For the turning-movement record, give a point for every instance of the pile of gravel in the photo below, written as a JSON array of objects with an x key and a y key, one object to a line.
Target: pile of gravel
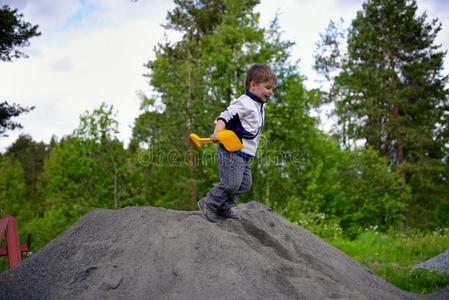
[
  {"x": 156, "y": 253},
  {"x": 438, "y": 264}
]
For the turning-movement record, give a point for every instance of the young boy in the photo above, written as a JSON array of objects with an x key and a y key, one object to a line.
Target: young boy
[{"x": 245, "y": 116}]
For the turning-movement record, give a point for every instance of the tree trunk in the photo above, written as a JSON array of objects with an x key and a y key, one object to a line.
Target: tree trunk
[
  {"x": 193, "y": 192},
  {"x": 397, "y": 124}
]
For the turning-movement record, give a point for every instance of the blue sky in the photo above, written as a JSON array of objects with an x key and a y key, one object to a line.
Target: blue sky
[{"x": 93, "y": 51}]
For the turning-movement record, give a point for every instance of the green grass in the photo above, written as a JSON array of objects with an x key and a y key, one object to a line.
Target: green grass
[{"x": 392, "y": 257}]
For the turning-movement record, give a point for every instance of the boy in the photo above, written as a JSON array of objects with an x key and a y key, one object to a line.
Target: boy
[{"x": 245, "y": 116}]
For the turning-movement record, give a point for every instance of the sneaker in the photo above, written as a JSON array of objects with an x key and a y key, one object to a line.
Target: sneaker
[
  {"x": 208, "y": 213},
  {"x": 228, "y": 213}
]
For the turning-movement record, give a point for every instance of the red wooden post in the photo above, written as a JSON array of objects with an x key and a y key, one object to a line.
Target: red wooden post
[
  {"x": 12, "y": 235},
  {"x": 8, "y": 227}
]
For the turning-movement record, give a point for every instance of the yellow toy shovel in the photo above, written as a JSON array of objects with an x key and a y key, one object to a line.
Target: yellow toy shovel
[{"x": 227, "y": 137}]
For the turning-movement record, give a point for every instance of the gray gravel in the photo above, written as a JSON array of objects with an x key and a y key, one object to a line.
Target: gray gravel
[
  {"x": 156, "y": 253},
  {"x": 438, "y": 264}
]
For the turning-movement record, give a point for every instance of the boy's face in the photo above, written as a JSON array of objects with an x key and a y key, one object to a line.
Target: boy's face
[{"x": 263, "y": 90}]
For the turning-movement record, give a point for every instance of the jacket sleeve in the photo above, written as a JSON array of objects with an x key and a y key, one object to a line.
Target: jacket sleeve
[
  {"x": 232, "y": 117},
  {"x": 234, "y": 111}
]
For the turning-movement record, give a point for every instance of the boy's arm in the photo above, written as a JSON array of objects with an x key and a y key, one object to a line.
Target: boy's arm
[
  {"x": 219, "y": 126},
  {"x": 231, "y": 113}
]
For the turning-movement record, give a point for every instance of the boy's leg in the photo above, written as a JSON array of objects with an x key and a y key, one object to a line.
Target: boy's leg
[
  {"x": 209, "y": 214},
  {"x": 231, "y": 169},
  {"x": 244, "y": 187}
]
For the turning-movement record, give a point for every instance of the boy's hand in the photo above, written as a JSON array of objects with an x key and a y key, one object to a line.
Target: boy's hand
[
  {"x": 219, "y": 126},
  {"x": 213, "y": 138}
]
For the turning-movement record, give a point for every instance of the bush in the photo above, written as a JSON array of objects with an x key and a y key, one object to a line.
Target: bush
[
  {"x": 319, "y": 223},
  {"x": 46, "y": 228},
  {"x": 371, "y": 194}
]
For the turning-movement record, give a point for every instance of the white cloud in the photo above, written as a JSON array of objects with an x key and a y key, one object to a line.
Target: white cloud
[
  {"x": 62, "y": 65},
  {"x": 78, "y": 69},
  {"x": 47, "y": 13},
  {"x": 302, "y": 22}
]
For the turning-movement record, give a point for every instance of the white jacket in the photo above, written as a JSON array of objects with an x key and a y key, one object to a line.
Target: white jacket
[{"x": 245, "y": 116}]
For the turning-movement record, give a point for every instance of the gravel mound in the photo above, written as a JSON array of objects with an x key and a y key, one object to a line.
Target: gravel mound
[
  {"x": 438, "y": 263},
  {"x": 156, "y": 253}
]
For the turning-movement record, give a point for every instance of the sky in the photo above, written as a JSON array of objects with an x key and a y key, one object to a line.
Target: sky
[{"x": 94, "y": 51}]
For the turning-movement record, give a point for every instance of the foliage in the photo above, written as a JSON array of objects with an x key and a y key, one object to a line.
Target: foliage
[
  {"x": 390, "y": 94},
  {"x": 371, "y": 194},
  {"x": 8, "y": 111},
  {"x": 89, "y": 169},
  {"x": 344, "y": 192},
  {"x": 319, "y": 223},
  {"x": 99, "y": 126},
  {"x": 12, "y": 188},
  {"x": 14, "y": 33},
  {"x": 31, "y": 156},
  {"x": 47, "y": 227},
  {"x": 304, "y": 175}
]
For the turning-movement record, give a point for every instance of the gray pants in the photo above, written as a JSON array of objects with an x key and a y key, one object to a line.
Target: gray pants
[{"x": 235, "y": 178}]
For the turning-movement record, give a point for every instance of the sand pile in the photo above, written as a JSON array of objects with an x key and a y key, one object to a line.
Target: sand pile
[
  {"x": 438, "y": 264},
  {"x": 155, "y": 253}
]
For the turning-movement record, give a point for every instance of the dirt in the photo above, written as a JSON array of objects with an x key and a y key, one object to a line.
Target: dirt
[{"x": 156, "y": 253}]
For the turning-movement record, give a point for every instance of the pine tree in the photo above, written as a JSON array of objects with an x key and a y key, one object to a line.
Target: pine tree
[
  {"x": 14, "y": 34},
  {"x": 31, "y": 155},
  {"x": 390, "y": 93},
  {"x": 195, "y": 79},
  {"x": 12, "y": 188}
]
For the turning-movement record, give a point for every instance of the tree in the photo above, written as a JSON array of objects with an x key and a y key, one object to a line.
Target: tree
[
  {"x": 14, "y": 33},
  {"x": 297, "y": 169},
  {"x": 98, "y": 132},
  {"x": 308, "y": 178},
  {"x": 91, "y": 168},
  {"x": 12, "y": 188},
  {"x": 7, "y": 112},
  {"x": 390, "y": 93},
  {"x": 371, "y": 195},
  {"x": 31, "y": 155},
  {"x": 194, "y": 79}
]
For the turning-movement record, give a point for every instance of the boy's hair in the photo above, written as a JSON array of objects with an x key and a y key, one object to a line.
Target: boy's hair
[{"x": 259, "y": 73}]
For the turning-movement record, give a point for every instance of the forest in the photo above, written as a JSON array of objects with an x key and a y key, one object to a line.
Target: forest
[{"x": 379, "y": 179}]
